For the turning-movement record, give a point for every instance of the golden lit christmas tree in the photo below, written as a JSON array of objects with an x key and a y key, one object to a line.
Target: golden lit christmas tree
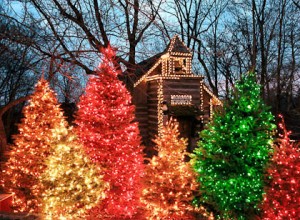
[
  {"x": 169, "y": 180},
  {"x": 71, "y": 181},
  {"x": 21, "y": 172}
]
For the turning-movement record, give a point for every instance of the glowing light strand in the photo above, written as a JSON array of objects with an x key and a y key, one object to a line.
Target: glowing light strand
[
  {"x": 282, "y": 197},
  {"x": 110, "y": 137},
  {"x": 31, "y": 147},
  {"x": 169, "y": 181},
  {"x": 233, "y": 152},
  {"x": 72, "y": 184}
]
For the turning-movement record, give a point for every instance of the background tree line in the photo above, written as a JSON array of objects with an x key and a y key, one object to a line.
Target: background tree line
[{"x": 62, "y": 39}]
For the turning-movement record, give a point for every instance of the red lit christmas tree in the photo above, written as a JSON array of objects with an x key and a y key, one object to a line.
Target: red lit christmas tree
[
  {"x": 169, "y": 180},
  {"x": 282, "y": 197},
  {"x": 111, "y": 139},
  {"x": 21, "y": 172}
]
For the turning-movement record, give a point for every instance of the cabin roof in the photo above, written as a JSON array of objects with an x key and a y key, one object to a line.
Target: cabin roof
[
  {"x": 176, "y": 46},
  {"x": 144, "y": 66}
]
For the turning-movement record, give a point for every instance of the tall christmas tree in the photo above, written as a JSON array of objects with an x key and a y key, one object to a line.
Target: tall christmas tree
[
  {"x": 233, "y": 152},
  {"x": 282, "y": 196},
  {"x": 21, "y": 172},
  {"x": 105, "y": 127},
  {"x": 72, "y": 184},
  {"x": 169, "y": 180}
]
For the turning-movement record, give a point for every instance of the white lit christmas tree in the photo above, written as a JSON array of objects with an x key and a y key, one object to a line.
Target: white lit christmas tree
[{"x": 72, "y": 183}]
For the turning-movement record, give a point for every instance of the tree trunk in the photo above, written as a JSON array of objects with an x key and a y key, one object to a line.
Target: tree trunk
[
  {"x": 279, "y": 59},
  {"x": 253, "y": 52},
  {"x": 3, "y": 138},
  {"x": 293, "y": 70}
]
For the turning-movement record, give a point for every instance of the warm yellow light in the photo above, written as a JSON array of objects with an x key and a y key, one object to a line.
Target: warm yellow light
[
  {"x": 169, "y": 181},
  {"x": 72, "y": 183}
]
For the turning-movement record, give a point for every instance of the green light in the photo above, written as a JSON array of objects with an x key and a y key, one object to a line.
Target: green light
[{"x": 233, "y": 152}]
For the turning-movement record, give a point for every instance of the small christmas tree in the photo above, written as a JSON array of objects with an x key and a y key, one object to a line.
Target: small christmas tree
[
  {"x": 111, "y": 139},
  {"x": 21, "y": 172},
  {"x": 169, "y": 180},
  {"x": 282, "y": 196},
  {"x": 71, "y": 181},
  {"x": 233, "y": 152}
]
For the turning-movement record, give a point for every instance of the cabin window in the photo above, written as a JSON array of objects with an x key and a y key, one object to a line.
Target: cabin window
[{"x": 180, "y": 65}]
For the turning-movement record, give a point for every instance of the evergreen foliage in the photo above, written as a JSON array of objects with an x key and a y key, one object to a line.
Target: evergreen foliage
[
  {"x": 282, "y": 196},
  {"x": 72, "y": 183},
  {"x": 32, "y": 145},
  {"x": 170, "y": 182},
  {"x": 233, "y": 152},
  {"x": 111, "y": 139}
]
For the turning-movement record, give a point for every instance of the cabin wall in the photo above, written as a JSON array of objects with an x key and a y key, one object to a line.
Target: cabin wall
[
  {"x": 152, "y": 103},
  {"x": 206, "y": 106},
  {"x": 139, "y": 99},
  {"x": 189, "y": 123},
  {"x": 158, "y": 78},
  {"x": 188, "y": 86},
  {"x": 145, "y": 98}
]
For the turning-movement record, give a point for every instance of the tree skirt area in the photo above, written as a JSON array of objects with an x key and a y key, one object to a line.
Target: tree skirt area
[{"x": 17, "y": 216}]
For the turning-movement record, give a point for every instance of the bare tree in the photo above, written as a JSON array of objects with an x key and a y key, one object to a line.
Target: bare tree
[
  {"x": 81, "y": 28},
  {"x": 61, "y": 33},
  {"x": 280, "y": 52},
  {"x": 16, "y": 80},
  {"x": 297, "y": 3},
  {"x": 195, "y": 19}
]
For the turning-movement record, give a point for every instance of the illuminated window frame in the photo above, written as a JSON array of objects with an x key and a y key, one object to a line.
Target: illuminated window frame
[{"x": 181, "y": 99}]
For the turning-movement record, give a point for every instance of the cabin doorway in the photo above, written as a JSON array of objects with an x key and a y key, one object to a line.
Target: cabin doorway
[{"x": 187, "y": 126}]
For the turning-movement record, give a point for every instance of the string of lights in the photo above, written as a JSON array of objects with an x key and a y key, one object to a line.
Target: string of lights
[{"x": 233, "y": 152}]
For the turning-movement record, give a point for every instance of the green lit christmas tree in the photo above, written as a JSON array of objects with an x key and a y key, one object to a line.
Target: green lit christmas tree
[{"x": 233, "y": 152}]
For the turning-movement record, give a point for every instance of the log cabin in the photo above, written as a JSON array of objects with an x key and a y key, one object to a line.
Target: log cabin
[{"x": 164, "y": 86}]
